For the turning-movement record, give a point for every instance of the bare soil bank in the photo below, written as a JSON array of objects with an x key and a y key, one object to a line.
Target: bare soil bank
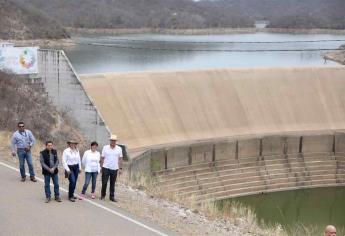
[
  {"x": 64, "y": 43},
  {"x": 43, "y": 43},
  {"x": 88, "y": 31},
  {"x": 338, "y": 56}
]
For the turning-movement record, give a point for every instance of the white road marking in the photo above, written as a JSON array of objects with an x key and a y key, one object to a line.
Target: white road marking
[{"x": 98, "y": 205}]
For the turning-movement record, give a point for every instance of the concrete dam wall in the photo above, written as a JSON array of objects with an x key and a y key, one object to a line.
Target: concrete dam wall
[
  {"x": 220, "y": 169},
  {"x": 159, "y": 109}
]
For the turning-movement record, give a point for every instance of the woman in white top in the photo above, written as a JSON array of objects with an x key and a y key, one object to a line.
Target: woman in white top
[
  {"x": 71, "y": 163},
  {"x": 91, "y": 159}
]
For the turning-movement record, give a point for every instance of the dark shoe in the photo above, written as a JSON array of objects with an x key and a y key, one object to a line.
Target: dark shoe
[
  {"x": 102, "y": 198},
  {"x": 74, "y": 197},
  {"x": 58, "y": 199},
  {"x": 71, "y": 199},
  {"x": 112, "y": 199},
  {"x": 33, "y": 179},
  {"x": 47, "y": 200},
  {"x": 23, "y": 179}
]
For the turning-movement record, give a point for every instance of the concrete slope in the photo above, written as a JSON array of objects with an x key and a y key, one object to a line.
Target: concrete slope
[{"x": 152, "y": 108}]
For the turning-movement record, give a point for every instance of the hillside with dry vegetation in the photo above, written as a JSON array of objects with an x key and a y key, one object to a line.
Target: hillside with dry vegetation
[
  {"x": 45, "y": 19},
  {"x": 185, "y": 14},
  {"x": 20, "y": 102},
  {"x": 25, "y": 22}
]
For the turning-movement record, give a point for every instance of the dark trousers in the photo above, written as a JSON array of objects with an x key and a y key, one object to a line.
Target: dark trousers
[
  {"x": 88, "y": 176},
  {"x": 73, "y": 177},
  {"x": 106, "y": 174},
  {"x": 55, "y": 179}
]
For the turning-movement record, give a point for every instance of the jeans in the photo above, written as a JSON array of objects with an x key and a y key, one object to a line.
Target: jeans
[
  {"x": 22, "y": 155},
  {"x": 55, "y": 178},
  {"x": 106, "y": 173},
  {"x": 73, "y": 177},
  {"x": 88, "y": 176}
]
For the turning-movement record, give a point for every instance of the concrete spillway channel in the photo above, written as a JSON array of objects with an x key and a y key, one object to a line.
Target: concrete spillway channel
[{"x": 60, "y": 82}]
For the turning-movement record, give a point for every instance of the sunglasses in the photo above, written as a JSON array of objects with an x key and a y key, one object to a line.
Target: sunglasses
[{"x": 21, "y": 126}]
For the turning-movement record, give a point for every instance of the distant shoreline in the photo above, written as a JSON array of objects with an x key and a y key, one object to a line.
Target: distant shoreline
[
  {"x": 69, "y": 42},
  {"x": 43, "y": 43},
  {"x": 97, "y": 31}
]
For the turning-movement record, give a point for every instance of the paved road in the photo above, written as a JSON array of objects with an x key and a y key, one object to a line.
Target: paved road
[{"x": 23, "y": 212}]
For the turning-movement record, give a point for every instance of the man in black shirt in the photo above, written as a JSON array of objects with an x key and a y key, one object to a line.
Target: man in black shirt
[{"x": 49, "y": 161}]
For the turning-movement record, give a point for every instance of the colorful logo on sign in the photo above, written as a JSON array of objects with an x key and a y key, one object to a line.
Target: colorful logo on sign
[{"x": 27, "y": 59}]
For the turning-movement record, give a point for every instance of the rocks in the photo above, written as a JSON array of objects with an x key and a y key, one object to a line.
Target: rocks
[
  {"x": 239, "y": 222},
  {"x": 195, "y": 211},
  {"x": 182, "y": 214},
  {"x": 197, "y": 224},
  {"x": 174, "y": 216}
]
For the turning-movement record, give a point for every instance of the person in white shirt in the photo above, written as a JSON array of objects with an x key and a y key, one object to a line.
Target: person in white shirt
[
  {"x": 71, "y": 163},
  {"x": 91, "y": 162},
  {"x": 111, "y": 163}
]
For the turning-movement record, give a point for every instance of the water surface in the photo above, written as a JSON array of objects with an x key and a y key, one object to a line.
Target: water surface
[
  {"x": 311, "y": 207},
  {"x": 132, "y": 52}
]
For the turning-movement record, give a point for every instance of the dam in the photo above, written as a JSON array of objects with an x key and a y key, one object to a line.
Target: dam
[
  {"x": 217, "y": 133},
  {"x": 220, "y": 133},
  {"x": 211, "y": 135},
  {"x": 160, "y": 108}
]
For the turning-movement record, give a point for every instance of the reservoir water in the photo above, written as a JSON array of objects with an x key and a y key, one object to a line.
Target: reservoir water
[
  {"x": 313, "y": 208},
  {"x": 140, "y": 52}
]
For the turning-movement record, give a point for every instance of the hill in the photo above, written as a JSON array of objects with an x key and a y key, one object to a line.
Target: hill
[
  {"x": 182, "y": 14},
  {"x": 172, "y": 14},
  {"x": 26, "y": 22}
]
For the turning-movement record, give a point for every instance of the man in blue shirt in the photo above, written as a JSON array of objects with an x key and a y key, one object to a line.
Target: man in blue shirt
[{"x": 22, "y": 142}]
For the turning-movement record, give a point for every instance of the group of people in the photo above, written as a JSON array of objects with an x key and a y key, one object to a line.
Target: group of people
[{"x": 108, "y": 163}]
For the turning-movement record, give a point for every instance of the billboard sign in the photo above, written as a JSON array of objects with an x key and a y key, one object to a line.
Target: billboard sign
[{"x": 19, "y": 60}]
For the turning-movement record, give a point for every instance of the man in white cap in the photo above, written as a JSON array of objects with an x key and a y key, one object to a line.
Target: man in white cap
[{"x": 111, "y": 163}]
